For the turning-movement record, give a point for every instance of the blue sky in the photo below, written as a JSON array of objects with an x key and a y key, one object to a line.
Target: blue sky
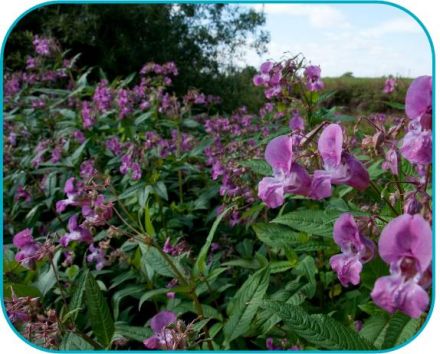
[{"x": 368, "y": 40}]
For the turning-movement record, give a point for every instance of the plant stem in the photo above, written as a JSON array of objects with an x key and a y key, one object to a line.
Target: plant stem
[{"x": 374, "y": 186}]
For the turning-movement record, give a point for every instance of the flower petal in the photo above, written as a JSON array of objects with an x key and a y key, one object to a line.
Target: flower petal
[
  {"x": 330, "y": 145},
  {"x": 279, "y": 153}
]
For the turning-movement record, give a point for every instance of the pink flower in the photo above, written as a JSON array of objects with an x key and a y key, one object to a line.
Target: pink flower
[
  {"x": 390, "y": 85},
  {"x": 406, "y": 245},
  {"x": 163, "y": 337},
  {"x": 28, "y": 248},
  {"x": 418, "y": 101},
  {"x": 313, "y": 77},
  {"x": 356, "y": 250},
  {"x": 76, "y": 233},
  {"x": 391, "y": 162},
  {"x": 289, "y": 177}
]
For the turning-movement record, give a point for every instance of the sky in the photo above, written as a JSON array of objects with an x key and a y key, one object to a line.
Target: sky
[{"x": 369, "y": 40}]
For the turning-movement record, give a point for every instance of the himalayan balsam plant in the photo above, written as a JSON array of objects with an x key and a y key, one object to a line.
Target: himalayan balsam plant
[{"x": 137, "y": 219}]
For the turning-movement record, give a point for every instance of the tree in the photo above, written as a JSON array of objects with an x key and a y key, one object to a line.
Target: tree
[{"x": 204, "y": 40}]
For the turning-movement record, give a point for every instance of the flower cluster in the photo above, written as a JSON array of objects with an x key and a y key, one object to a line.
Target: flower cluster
[
  {"x": 289, "y": 177},
  {"x": 29, "y": 248},
  {"x": 356, "y": 250}
]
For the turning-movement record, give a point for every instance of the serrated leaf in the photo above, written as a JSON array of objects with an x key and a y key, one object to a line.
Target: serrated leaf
[
  {"x": 99, "y": 313},
  {"x": 308, "y": 268},
  {"x": 320, "y": 330},
  {"x": 400, "y": 328},
  {"x": 132, "y": 332},
  {"x": 260, "y": 167},
  {"x": 132, "y": 290},
  {"x": 77, "y": 298},
  {"x": 275, "y": 235},
  {"x": 374, "y": 329},
  {"x": 156, "y": 261},
  {"x": 72, "y": 341},
  {"x": 314, "y": 222},
  {"x": 245, "y": 305}
]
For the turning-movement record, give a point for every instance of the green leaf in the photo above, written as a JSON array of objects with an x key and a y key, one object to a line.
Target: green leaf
[
  {"x": 400, "y": 329},
  {"x": 374, "y": 329},
  {"x": 245, "y": 304},
  {"x": 308, "y": 268},
  {"x": 260, "y": 167},
  {"x": 142, "y": 118},
  {"x": 72, "y": 341},
  {"x": 315, "y": 222},
  {"x": 152, "y": 257},
  {"x": 99, "y": 313},
  {"x": 275, "y": 235},
  {"x": 131, "y": 332},
  {"x": 200, "y": 265},
  {"x": 20, "y": 290},
  {"x": 46, "y": 281},
  {"x": 131, "y": 290},
  {"x": 320, "y": 330},
  {"x": 77, "y": 299},
  {"x": 73, "y": 159},
  {"x": 161, "y": 190}
]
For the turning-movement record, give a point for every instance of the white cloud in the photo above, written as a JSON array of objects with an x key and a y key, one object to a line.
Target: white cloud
[
  {"x": 398, "y": 25},
  {"x": 319, "y": 16}
]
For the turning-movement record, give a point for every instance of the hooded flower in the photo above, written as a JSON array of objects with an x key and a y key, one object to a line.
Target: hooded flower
[
  {"x": 390, "y": 85},
  {"x": 356, "y": 250},
  {"x": 417, "y": 145},
  {"x": 339, "y": 166},
  {"x": 97, "y": 255},
  {"x": 28, "y": 248},
  {"x": 391, "y": 162},
  {"x": 73, "y": 190},
  {"x": 418, "y": 101},
  {"x": 313, "y": 77},
  {"x": 406, "y": 245},
  {"x": 163, "y": 337},
  {"x": 288, "y": 176},
  {"x": 76, "y": 233}
]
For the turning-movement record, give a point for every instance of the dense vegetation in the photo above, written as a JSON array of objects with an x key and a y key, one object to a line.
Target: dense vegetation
[{"x": 137, "y": 217}]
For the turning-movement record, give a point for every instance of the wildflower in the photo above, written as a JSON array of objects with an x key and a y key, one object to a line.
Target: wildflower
[
  {"x": 102, "y": 97},
  {"x": 418, "y": 101},
  {"x": 97, "y": 255},
  {"x": 42, "y": 46},
  {"x": 164, "y": 337},
  {"x": 390, "y": 85},
  {"x": 86, "y": 114},
  {"x": 113, "y": 145},
  {"x": 406, "y": 245},
  {"x": 356, "y": 250},
  {"x": 289, "y": 177},
  {"x": 417, "y": 145},
  {"x": 391, "y": 162},
  {"x": 296, "y": 122},
  {"x": 339, "y": 166},
  {"x": 21, "y": 193},
  {"x": 87, "y": 169},
  {"x": 73, "y": 189},
  {"x": 78, "y": 135},
  {"x": 313, "y": 77},
  {"x": 76, "y": 233},
  {"x": 28, "y": 248}
]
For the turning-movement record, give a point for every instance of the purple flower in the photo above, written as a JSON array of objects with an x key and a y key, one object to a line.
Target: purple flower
[
  {"x": 406, "y": 245},
  {"x": 113, "y": 145},
  {"x": 356, "y": 250},
  {"x": 296, "y": 122},
  {"x": 339, "y": 166},
  {"x": 163, "y": 337},
  {"x": 97, "y": 212},
  {"x": 266, "y": 67},
  {"x": 124, "y": 103},
  {"x": 417, "y": 145},
  {"x": 28, "y": 248},
  {"x": 102, "y": 96},
  {"x": 289, "y": 177},
  {"x": 87, "y": 169},
  {"x": 86, "y": 114},
  {"x": 313, "y": 77},
  {"x": 42, "y": 45},
  {"x": 97, "y": 256},
  {"x": 73, "y": 189},
  {"x": 390, "y": 85},
  {"x": 76, "y": 233},
  {"x": 21, "y": 193},
  {"x": 56, "y": 154},
  {"x": 391, "y": 162},
  {"x": 78, "y": 135},
  {"x": 418, "y": 101}
]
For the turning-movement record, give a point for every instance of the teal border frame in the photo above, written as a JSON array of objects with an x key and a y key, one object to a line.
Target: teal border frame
[{"x": 133, "y": 2}]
